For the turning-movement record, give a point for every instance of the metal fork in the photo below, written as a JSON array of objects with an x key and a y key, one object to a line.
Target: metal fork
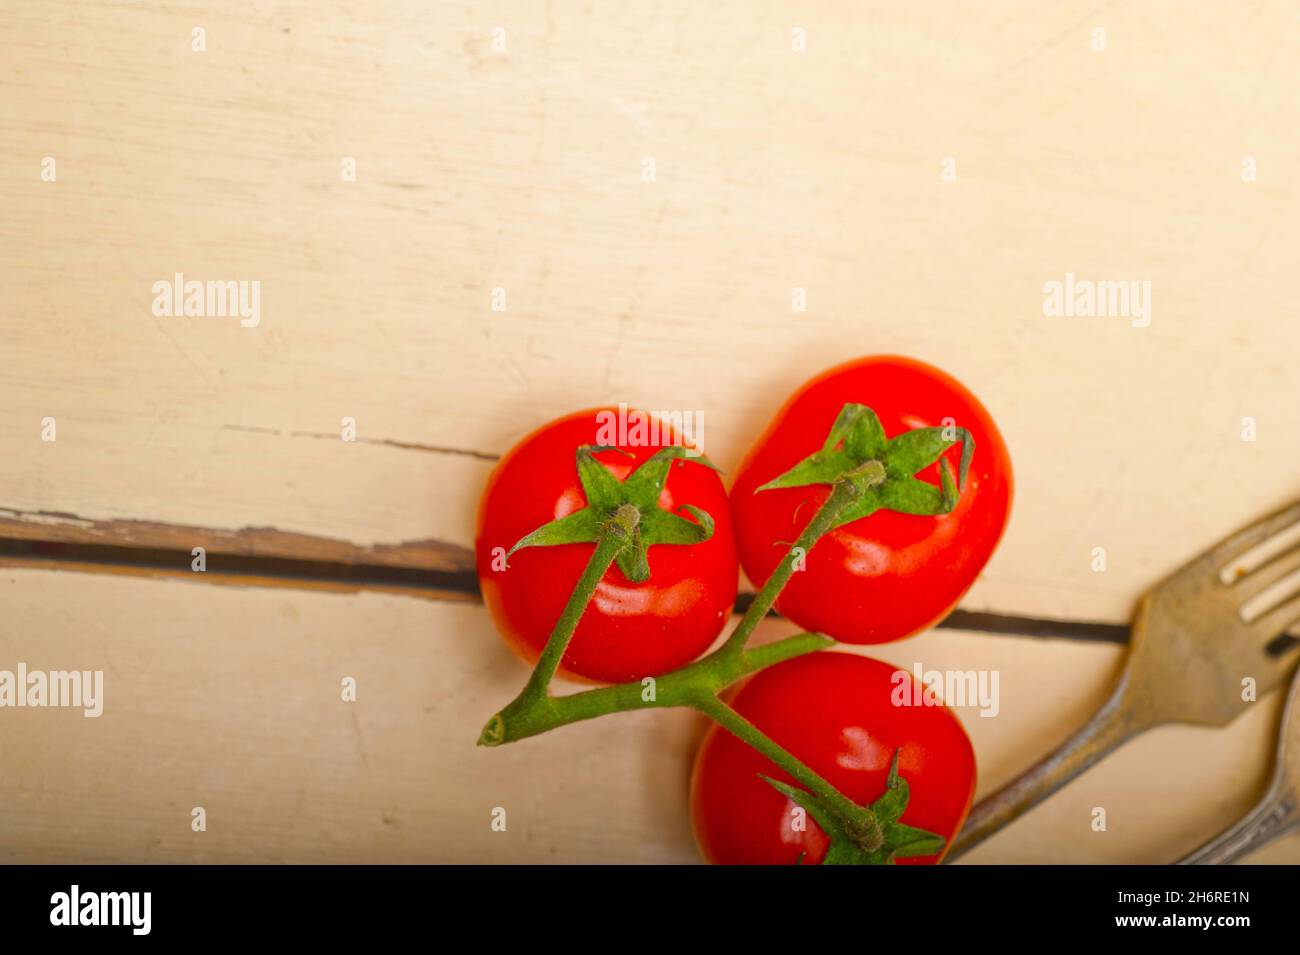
[
  {"x": 1195, "y": 638},
  {"x": 1277, "y": 812}
]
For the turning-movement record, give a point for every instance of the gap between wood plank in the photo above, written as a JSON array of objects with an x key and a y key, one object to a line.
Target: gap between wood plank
[
  {"x": 267, "y": 557},
  {"x": 430, "y": 569}
]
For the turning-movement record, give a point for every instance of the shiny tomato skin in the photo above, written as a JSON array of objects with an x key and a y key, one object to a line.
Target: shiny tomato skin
[
  {"x": 833, "y": 712},
  {"x": 888, "y": 575},
  {"x": 629, "y": 630}
]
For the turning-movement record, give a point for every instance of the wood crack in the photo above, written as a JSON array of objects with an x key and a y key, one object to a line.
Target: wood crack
[{"x": 386, "y": 442}]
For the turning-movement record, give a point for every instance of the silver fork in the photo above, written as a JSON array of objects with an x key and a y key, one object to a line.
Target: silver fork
[
  {"x": 1196, "y": 637},
  {"x": 1277, "y": 812}
]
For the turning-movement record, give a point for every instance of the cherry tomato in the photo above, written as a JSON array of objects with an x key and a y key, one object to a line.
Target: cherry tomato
[
  {"x": 835, "y": 713},
  {"x": 887, "y": 575},
  {"x": 629, "y": 630}
]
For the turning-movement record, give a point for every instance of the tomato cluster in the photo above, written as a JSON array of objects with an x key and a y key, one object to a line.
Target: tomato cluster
[{"x": 897, "y": 560}]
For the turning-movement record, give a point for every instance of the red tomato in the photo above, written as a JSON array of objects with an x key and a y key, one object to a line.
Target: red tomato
[
  {"x": 833, "y": 712},
  {"x": 887, "y": 575},
  {"x": 629, "y": 630}
]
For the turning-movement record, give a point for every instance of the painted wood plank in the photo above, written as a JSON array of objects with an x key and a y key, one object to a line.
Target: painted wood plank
[
  {"x": 522, "y": 170},
  {"x": 229, "y": 699}
]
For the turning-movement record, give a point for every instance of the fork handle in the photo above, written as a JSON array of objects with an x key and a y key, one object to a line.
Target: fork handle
[
  {"x": 1109, "y": 727},
  {"x": 1275, "y": 813}
]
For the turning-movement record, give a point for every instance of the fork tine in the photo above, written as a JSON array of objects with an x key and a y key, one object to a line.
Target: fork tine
[
  {"x": 1237, "y": 546},
  {"x": 1256, "y": 585},
  {"x": 1277, "y": 621},
  {"x": 1281, "y": 665}
]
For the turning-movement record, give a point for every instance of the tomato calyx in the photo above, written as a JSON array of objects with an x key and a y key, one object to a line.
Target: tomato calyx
[
  {"x": 878, "y": 471},
  {"x": 628, "y": 508},
  {"x": 872, "y": 836}
]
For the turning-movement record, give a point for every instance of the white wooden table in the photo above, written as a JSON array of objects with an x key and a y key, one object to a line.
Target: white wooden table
[{"x": 478, "y": 168}]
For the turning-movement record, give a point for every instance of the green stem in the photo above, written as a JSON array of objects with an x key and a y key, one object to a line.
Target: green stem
[
  {"x": 698, "y": 684},
  {"x": 533, "y": 702},
  {"x": 748, "y": 733},
  {"x": 607, "y": 548},
  {"x": 693, "y": 685},
  {"x": 842, "y": 494},
  {"x": 535, "y": 711}
]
